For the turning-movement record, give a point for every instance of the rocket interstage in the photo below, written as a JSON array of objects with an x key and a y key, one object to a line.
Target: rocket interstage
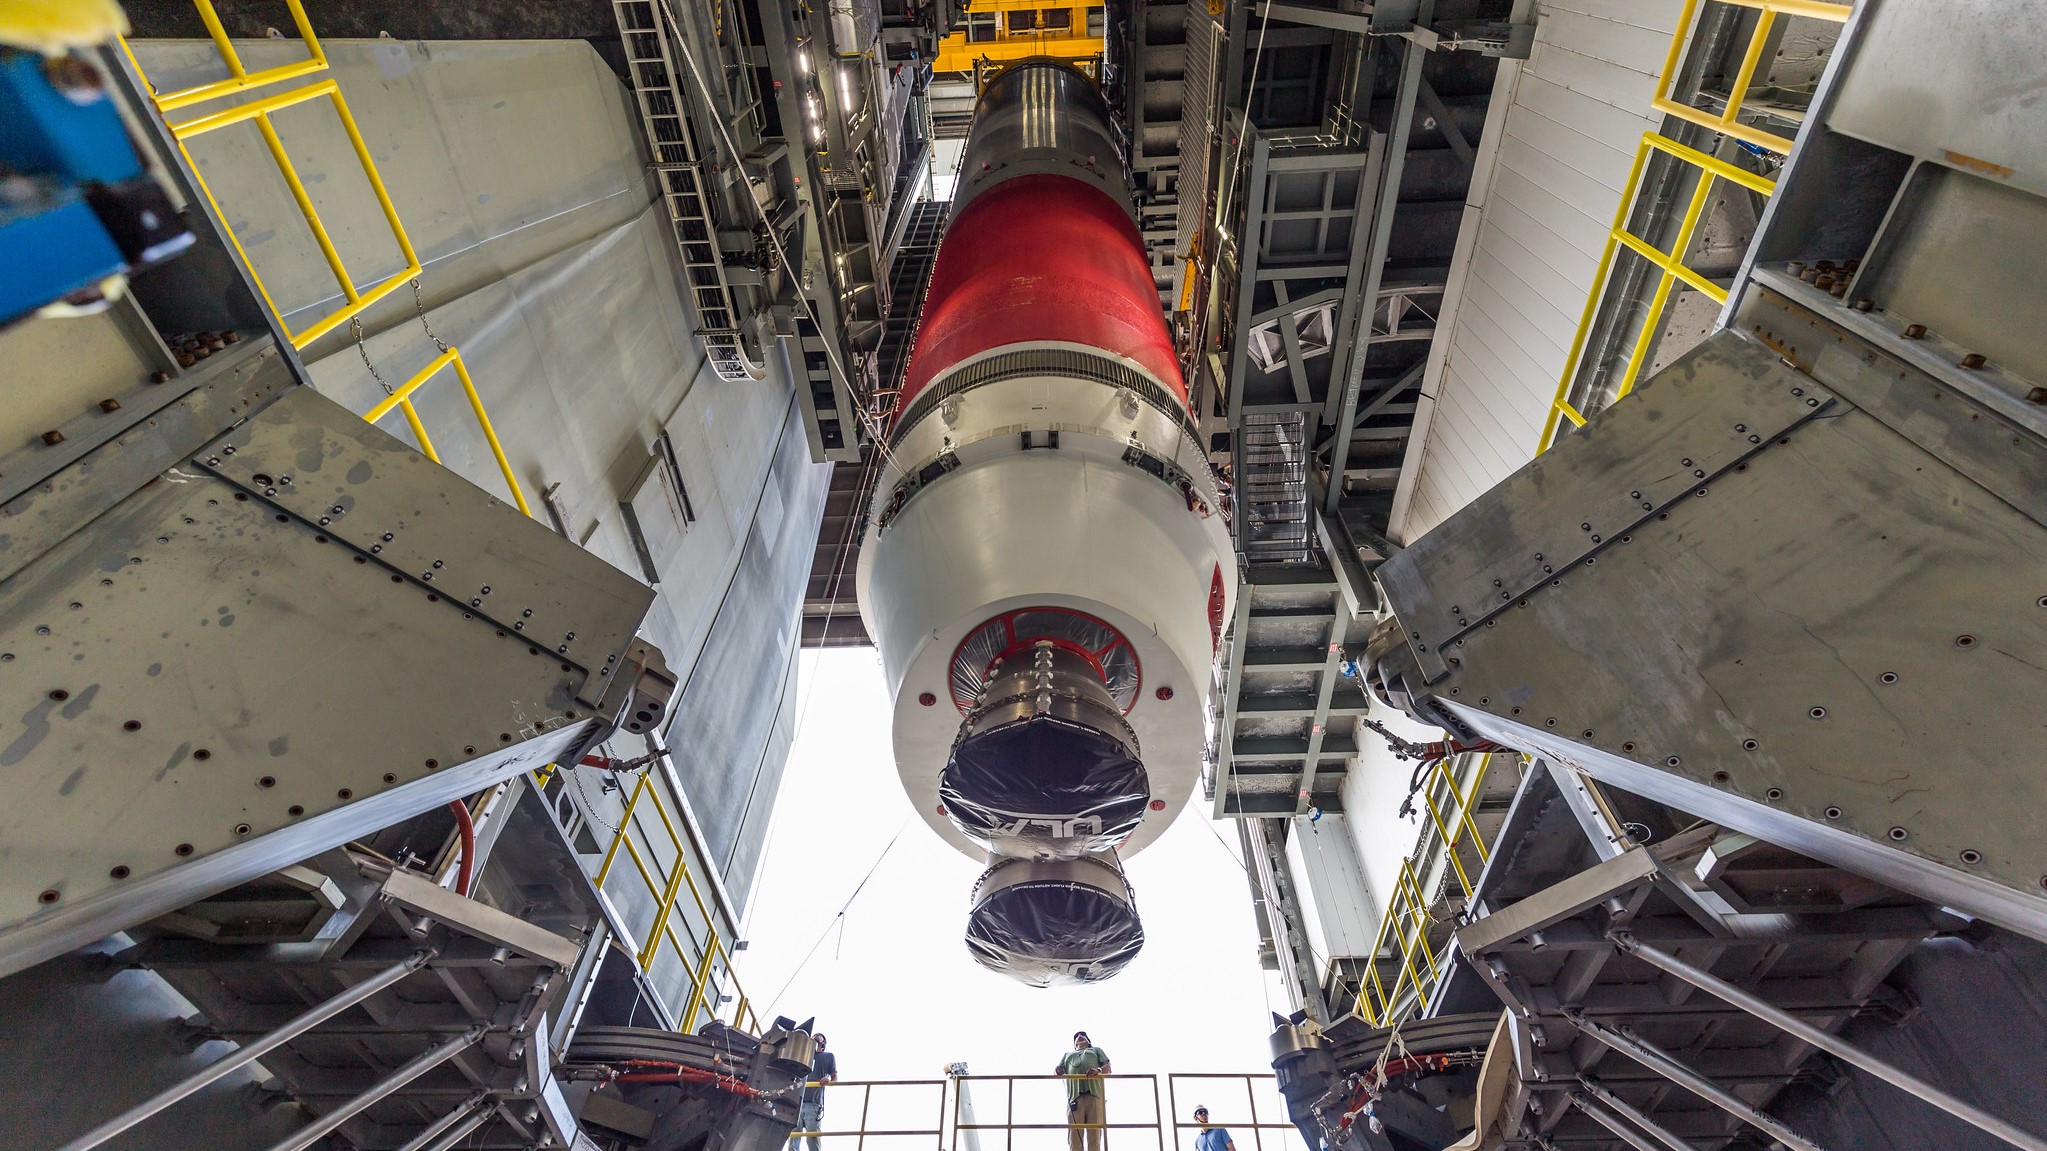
[{"x": 1045, "y": 558}]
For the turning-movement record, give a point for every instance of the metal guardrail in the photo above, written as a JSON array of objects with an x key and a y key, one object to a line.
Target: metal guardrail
[
  {"x": 1405, "y": 926},
  {"x": 861, "y": 1133},
  {"x": 703, "y": 969},
  {"x": 401, "y": 398},
  {"x": 1729, "y": 120},
  {"x": 958, "y": 1128},
  {"x": 239, "y": 82},
  {"x": 1670, "y": 264}
]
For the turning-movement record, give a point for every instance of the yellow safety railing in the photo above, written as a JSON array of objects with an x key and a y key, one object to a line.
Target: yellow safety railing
[
  {"x": 401, "y": 398},
  {"x": 666, "y": 893},
  {"x": 241, "y": 81},
  {"x": 1405, "y": 926},
  {"x": 1671, "y": 263},
  {"x": 1729, "y": 120}
]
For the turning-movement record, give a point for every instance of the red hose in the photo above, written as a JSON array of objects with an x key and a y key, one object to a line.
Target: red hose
[
  {"x": 468, "y": 827},
  {"x": 676, "y": 1073}
]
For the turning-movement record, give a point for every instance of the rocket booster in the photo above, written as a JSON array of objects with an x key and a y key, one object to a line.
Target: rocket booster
[{"x": 1044, "y": 564}]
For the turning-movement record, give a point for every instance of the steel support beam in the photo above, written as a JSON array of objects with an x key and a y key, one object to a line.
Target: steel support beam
[
  {"x": 1318, "y": 17},
  {"x": 456, "y": 1124},
  {"x": 1827, "y": 1041},
  {"x": 1452, "y": 134},
  {"x": 1613, "y": 1123},
  {"x": 1383, "y": 209},
  {"x": 1619, "y": 1106},
  {"x": 424, "y": 1062},
  {"x": 1660, "y": 1061},
  {"x": 249, "y": 1052},
  {"x": 1248, "y": 253}
]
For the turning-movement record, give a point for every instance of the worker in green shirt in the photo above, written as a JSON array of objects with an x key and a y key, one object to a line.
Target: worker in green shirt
[{"x": 1085, "y": 1112}]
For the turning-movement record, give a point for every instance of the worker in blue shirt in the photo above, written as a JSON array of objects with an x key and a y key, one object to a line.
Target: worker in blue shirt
[
  {"x": 824, "y": 1068},
  {"x": 1211, "y": 1138}
]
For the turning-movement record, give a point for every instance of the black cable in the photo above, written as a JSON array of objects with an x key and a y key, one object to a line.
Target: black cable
[{"x": 836, "y": 919}]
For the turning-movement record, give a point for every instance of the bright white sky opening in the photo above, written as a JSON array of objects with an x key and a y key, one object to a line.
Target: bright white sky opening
[{"x": 898, "y": 997}]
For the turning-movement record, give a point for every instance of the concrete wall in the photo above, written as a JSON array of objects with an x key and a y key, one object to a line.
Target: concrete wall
[{"x": 1559, "y": 138}]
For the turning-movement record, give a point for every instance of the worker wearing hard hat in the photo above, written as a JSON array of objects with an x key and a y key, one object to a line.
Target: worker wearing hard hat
[
  {"x": 1086, "y": 1113},
  {"x": 1211, "y": 1138}
]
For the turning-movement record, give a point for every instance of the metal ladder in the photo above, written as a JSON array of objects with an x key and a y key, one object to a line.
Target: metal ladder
[
  {"x": 678, "y": 167},
  {"x": 1272, "y": 488},
  {"x": 908, "y": 277}
]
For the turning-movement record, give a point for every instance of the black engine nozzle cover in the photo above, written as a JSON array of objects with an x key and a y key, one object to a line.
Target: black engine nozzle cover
[
  {"x": 1051, "y": 923},
  {"x": 1045, "y": 766}
]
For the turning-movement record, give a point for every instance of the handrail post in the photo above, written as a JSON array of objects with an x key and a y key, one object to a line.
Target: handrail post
[
  {"x": 1257, "y": 1137},
  {"x": 703, "y": 979}
]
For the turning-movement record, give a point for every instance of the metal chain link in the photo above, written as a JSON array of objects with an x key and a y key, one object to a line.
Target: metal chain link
[
  {"x": 630, "y": 768},
  {"x": 420, "y": 307},
  {"x": 355, "y": 329}
]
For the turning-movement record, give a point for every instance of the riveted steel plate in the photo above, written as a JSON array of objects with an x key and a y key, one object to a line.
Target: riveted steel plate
[
  {"x": 318, "y": 463},
  {"x": 1670, "y": 441},
  {"x": 1840, "y": 650},
  {"x": 197, "y": 690},
  {"x": 44, "y": 500}
]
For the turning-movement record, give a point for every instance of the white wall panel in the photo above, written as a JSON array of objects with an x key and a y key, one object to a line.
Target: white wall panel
[
  {"x": 1552, "y": 169},
  {"x": 1341, "y": 916}
]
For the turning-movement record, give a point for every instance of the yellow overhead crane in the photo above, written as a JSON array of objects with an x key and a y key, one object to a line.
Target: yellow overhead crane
[{"x": 999, "y": 31}]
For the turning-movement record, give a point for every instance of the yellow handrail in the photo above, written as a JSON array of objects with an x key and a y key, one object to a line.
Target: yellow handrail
[
  {"x": 1671, "y": 264},
  {"x": 401, "y": 398},
  {"x": 241, "y": 81},
  {"x": 1404, "y": 929},
  {"x": 1729, "y": 120},
  {"x": 667, "y": 894},
  {"x": 260, "y": 111}
]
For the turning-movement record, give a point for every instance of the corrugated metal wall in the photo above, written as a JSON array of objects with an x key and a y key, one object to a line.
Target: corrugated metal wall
[{"x": 1557, "y": 147}]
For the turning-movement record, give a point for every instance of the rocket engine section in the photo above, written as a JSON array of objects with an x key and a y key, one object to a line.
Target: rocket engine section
[
  {"x": 1046, "y": 566},
  {"x": 1045, "y": 765}
]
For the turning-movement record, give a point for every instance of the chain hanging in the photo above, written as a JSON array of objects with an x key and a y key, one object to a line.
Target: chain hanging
[
  {"x": 355, "y": 329},
  {"x": 420, "y": 307}
]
